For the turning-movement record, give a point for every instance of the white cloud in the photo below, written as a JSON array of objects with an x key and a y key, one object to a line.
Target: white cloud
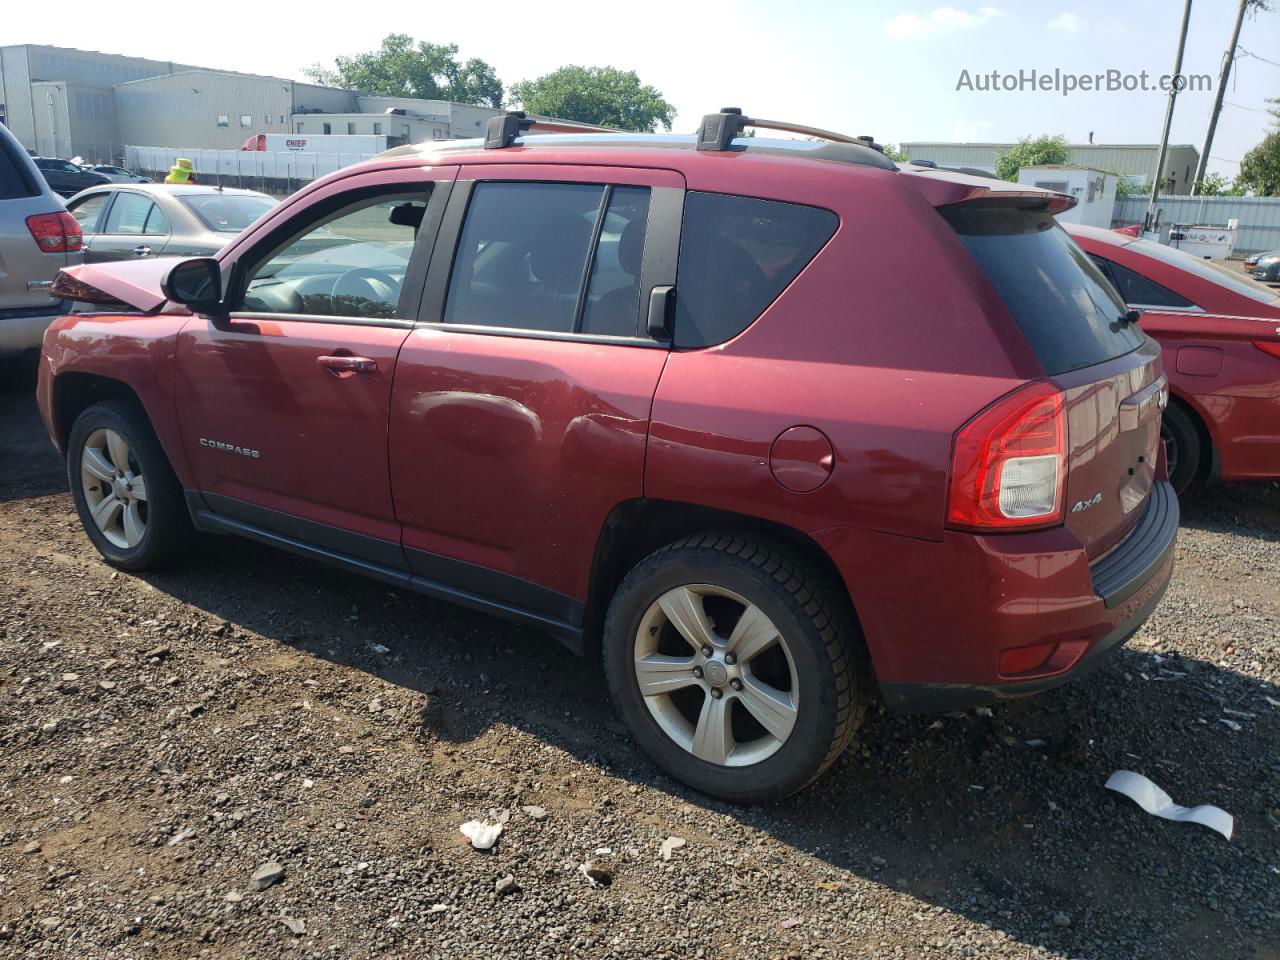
[
  {"x": 941, "y": 20},
  {"x": 1067, "y": 23}
]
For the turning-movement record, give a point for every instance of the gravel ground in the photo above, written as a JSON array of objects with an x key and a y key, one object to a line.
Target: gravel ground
[{"x": 166, "y": 737}]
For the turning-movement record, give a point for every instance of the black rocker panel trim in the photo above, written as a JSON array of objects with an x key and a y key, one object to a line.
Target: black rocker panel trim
[{"x": 462, "y": 583}]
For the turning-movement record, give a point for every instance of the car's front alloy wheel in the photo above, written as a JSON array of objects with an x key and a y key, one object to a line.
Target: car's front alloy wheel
[
  {"x": 130, "y": 503},
  {"x": 114, "y": 488}
]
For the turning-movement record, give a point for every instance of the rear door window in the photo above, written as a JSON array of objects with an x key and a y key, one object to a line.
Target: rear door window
[
  {"x": 88, "y": 211},
  {"x": 1139, "y": 291},
  {"x": 1065, "y": 307},
  {"x": 737, "y": 254},
  {"x": 551, "y": 257},
  {"x": 128, "y": 216}
]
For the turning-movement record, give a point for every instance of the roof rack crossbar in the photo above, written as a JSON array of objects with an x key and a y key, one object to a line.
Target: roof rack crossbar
[
  {"x": 502, "y": 131},
  {"x": 717, "y": 130}
]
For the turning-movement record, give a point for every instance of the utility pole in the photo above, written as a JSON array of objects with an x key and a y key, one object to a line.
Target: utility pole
[
  {"x": 1168, "y": 119},
  {"x": 1228, "y": 59}
]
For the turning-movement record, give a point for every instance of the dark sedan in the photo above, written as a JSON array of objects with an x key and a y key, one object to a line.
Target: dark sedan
[
  {"x": 1266, "y": 268},
  {"x": 126, "y": 221},
  {"x": 67, "y": 178}
]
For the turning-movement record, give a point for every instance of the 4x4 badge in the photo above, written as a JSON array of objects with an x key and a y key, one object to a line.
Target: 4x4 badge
[{"x": 1086, "y": 504}]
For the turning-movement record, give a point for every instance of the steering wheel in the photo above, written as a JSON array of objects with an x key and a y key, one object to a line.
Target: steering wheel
[{"x": 363, "y": 277}]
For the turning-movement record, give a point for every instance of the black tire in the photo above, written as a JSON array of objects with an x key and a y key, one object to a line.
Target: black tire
[
  {"x": 1183, "y": 447},
  {"x": 168, "y": 529},
  {"x": 808, "y": 610}
]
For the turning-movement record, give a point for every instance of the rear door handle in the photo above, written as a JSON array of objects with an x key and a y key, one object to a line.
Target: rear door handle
[
  {"x": 142, "y": 250},
  {"x": 348, "y": 365}
]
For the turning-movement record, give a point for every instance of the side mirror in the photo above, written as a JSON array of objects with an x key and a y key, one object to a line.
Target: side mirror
[{"x": 196, "y": 284}]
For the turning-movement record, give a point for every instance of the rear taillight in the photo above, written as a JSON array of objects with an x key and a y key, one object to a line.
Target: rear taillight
[
  {"x": 1009, "y": 463},
  {"x": 1268, "y": 346},
  {"x": 56, "y": 232}
]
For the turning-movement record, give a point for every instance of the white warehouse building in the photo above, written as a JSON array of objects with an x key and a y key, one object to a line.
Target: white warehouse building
[
  {"x": 64, "y": 103},
  {"x": 1133, "y": 162}
]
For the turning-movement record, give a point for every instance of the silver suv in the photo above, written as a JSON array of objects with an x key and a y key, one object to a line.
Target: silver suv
[{"x": 37, "y": 238}]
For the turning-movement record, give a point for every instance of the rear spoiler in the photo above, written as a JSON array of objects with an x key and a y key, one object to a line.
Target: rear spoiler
[{"x": 944, "y": 188}]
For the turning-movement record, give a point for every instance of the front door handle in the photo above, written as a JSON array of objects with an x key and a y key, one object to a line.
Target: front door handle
[
  {"x": 345, "y": 366},
  {"x": 142, "y": 250}
]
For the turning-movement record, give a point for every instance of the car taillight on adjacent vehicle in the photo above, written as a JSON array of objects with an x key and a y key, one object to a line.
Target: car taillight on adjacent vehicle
[
  {"x": 56, "y": 232},
  {"x": 1009, "y": 463}
]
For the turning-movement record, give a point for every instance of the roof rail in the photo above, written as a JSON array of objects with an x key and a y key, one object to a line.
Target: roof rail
[
  {"x": 717, "y": 130},
  {"x": 502, "y": 131}
]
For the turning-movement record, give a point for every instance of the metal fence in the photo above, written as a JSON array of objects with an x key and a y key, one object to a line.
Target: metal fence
[
  {"x": 1259, "y": 217},
  {"x": 274, "y": 172}
]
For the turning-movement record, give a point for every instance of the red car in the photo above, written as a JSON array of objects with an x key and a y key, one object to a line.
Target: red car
[
  {"x": 1220, "y": 332},
  {"x": 677, "y": 401}
]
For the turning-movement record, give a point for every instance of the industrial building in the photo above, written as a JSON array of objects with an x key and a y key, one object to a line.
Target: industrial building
[
  {"x": 1132, "y": 162},
  {"x": 67, "y": 103}
]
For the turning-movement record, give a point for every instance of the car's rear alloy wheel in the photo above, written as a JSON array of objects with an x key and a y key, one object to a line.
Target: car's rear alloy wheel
[
  {"x": 716, "y": 675},
  {"x": 114, "y": 488},
  {"x": 737, "y": 664},
  {"x": 130, "y": 503}
]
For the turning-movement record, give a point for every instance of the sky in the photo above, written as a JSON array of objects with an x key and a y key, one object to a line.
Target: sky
[{"x": 889, "y": 69}]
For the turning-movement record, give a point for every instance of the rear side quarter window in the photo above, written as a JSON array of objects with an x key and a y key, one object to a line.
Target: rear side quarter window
[
  {"x": 737, "y": 254},
  {"x": 1140, "y": 291}
]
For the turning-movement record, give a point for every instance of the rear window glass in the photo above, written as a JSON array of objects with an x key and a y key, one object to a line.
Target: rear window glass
[
  {"x": 227, "y": 213},
  {"x": 15, "y": 179},
  {"x": 1066, "y": 308},
  {"x": 736, "y": 255}
]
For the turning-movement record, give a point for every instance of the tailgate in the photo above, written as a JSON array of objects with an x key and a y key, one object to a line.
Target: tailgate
[{"x": 1113, "y": 435}]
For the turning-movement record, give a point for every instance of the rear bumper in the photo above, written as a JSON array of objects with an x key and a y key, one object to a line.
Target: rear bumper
[
  {"x": 23, "y": 329},
  {"x": 942, "y": 615}
]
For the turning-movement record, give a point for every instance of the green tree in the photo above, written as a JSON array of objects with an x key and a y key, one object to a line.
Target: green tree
[
  {"x": 895, "y": 153},
  {"x": 1260, "y": 168},
  {"x": 601, "y": 95},
  {"x": 1216, "y": 185},
  {"x": 403, "y": 67},
  {"x": 1029, "y": 153}
]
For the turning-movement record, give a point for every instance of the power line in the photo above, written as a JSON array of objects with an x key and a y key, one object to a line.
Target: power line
[
  {"x": 1256, "y": 57},
  {"x": 1226, "y": 160},
  {"x": 1241, "y": 106}
]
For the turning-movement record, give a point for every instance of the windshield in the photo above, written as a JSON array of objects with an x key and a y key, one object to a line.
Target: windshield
[
  {"x": 1212, "y": 270},
  {"x": 227, "y": 213},
  {"x": 1070, "y": 314}
]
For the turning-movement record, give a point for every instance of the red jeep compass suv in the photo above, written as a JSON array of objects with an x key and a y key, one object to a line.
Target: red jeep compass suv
[{"x": 761, "y": 423}]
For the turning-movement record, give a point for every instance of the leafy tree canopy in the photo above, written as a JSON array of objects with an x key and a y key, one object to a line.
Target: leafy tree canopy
[
  {"x": 1216, "y": 185},
  {"x": 1029, "y": 153},
  {"x": 601, "y": 95},
  {"x": 1260, "y": 168},
  {"x": 403, "y": 67}
]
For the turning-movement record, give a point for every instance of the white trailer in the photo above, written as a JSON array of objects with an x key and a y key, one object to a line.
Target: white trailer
[
  {"x": 320, "y": 143},
  {"x": 1094, "y": 190}
]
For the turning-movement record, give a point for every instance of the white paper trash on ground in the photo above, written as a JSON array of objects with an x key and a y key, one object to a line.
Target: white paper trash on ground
[{"x": 1158, "y": 803}]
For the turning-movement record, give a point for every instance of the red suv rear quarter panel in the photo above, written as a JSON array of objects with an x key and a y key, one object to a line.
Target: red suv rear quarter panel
[{"x": 887, "y": 370}]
